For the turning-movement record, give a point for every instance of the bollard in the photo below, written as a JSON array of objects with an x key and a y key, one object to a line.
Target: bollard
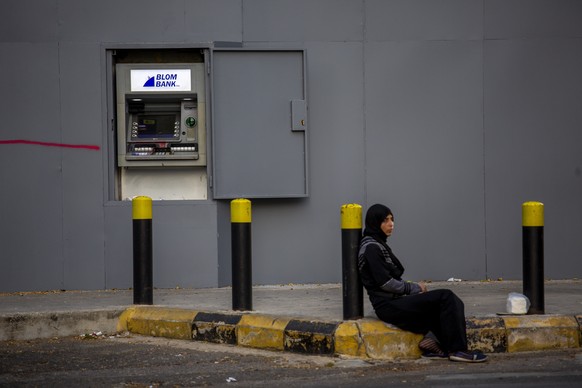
[
  {"x": 353, "y": 294},
  {"x": 533, "y": 255},
  {"x": 240, "y": 218},
  {"x": 142, "y": 250}
]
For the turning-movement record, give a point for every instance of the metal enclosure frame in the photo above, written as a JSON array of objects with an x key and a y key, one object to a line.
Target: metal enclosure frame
[{"x": 110, "y": 165}]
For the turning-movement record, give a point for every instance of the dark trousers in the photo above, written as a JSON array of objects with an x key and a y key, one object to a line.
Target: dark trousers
[{"x": 438, "y": 311}]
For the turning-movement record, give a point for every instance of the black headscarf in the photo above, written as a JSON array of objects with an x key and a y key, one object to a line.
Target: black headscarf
[{"x": 374, "y": 218}]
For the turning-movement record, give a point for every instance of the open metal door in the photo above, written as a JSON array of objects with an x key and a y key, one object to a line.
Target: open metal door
[{"x": 259, "y": 123}]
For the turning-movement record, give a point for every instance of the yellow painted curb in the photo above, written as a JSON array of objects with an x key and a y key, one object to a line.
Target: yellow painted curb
[
  {"x": 539, "y": 332},
  {"x": 348, "y": 341},
  {"x": 365, "y": 338},
  {"x": 161, "y": 322},
  {"x": 124, "y": 318},
  {"x": 261, "y": 331},
  {"x": 384, "y": 341}
]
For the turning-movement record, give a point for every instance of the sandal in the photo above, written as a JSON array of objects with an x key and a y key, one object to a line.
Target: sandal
[
  {"x": 468, "y": 357},
  {"x": 434, "y": 356}
]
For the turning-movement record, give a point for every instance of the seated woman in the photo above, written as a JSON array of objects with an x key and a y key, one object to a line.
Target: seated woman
[{"x": 407, "y": 305}]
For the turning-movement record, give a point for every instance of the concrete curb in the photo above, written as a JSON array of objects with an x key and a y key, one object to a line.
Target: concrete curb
[
  {"x": 26, "y": 326},
  {"x": 364, "y": 338}
]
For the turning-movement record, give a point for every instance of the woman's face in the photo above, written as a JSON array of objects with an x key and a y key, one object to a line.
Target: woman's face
[{"x": 387, "y": 225}]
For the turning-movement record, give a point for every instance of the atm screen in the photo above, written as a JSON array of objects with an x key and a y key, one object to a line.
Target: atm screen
[{"x": 154, "y": 126}]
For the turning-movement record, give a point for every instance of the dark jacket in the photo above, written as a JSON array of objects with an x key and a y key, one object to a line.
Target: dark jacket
[{"x": 381, "y": 273}]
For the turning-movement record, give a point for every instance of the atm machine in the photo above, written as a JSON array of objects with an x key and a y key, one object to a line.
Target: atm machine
[{"x": 161, "y": 130}]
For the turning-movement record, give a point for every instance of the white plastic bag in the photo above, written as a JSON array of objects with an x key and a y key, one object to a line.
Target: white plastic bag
[{"x": 517, "y": 303}]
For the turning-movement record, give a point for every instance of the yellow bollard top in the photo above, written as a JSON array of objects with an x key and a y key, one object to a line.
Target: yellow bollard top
[
  {"x": 351, "y": 215},
  {"x": 142, "y": 208},
  {"x": 240, "y": 210},
  {"x": 532, "y": 214}
]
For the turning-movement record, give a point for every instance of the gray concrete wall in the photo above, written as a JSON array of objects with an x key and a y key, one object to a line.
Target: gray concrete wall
[
  {"x": 452, "y": 112},
  {"x": 532, "y": 116}
]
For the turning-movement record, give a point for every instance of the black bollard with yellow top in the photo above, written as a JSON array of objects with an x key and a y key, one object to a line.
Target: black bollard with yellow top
[
  {"x": 533, "y": 255},
  {"x": 353, "y": 294},
  {"x": 240, "y": 219},
  {"x": 142, "y": 250}
]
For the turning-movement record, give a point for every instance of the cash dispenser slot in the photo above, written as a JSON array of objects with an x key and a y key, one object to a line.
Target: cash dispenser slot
[{"x": 147, "y": 151}]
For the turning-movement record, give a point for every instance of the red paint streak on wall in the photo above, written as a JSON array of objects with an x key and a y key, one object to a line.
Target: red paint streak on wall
[{"x": 46, "y": 144}]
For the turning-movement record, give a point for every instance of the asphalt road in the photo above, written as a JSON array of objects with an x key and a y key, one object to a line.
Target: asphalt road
[{"x": 135, "y": 361}]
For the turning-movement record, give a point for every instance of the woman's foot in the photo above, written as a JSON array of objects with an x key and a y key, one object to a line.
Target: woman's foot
[
  {"x": 431, "y": 349},
  {"x": 468, "y": 356},
  {"x": 434, "y": 356}
]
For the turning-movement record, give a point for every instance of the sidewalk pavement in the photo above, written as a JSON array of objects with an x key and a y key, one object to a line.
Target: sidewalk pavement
[{"x": 297, "y": 318}]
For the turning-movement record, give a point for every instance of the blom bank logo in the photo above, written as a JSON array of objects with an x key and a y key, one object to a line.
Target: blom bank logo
[{"x": 160, "y": 80}]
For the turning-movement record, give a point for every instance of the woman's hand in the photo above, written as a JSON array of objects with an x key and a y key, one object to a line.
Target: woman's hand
[{"x": 423, "y": 287}]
